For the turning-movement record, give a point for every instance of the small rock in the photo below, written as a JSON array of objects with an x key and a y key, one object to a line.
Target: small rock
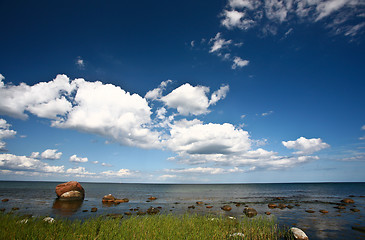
[
  {"x": 298, "y": 233},
  {"x": 347, "y": 200},
  {"x": 310, "y": 211},
  {"x": 152, "y": 198},
  {"x": 267, "y": 213},
  {"x": 141, "y": 213},
  {"x": 281, "y": 206},
  {"x": 323, "y": 211},
  {"x": 199, "y": 202},
  {"x": 340, "y": 207},
  {"x": 94, "y": 209},
  {"x": 297, "y": 205},
  {"x": 237, "y": 235},
  {"x": 108, "y": 199},
  {"x": 121, "y": 200},
  {"x": 128, "y": 213},
  {"x": 5, "y": 200},
  {"x": 226, "y": 208},
  {"x": 250, "y": 212},
  {"x": 49, "y": 219},
  {"x": 358, "y": 228},
  {"x": 192, "y": 207},
  {"x": 85, "y": 210},
  {"x": 272, "y": 205},
  {"x": 15, "y": 209},
  {"x": 209, "y": 206},
  {"x": 238, "y": 204},
  {"x": 355, "y": 210},
  {"x": 152, "y": 211},
  {"x": 290, "y": 206}
]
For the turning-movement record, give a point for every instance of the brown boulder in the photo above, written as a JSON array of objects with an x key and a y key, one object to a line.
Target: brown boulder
[
  {"x": 226, "y": 208},
  {"x": 209, "y": 206},
  {"x": 323, "y": 211},
  {"x": 281, "y": 206},
  {"x": 355, "y": 210},
  {"x": 108, "y": 199},
  {"x": 77, "y": 191},
  {"x": 94, "y": 209},
  {"x": 121, "y": 200},
  {"x": 267, "y": 213},
  {"x": 199, "y": 202},
  {"x": 310, "y": 211},
  {"x": 272, "y": 205},
  {"x": 5, "y": 200},
  {"x": 250, "y": 212},
  {"x": 152, "y": 198},
  {"x": 347, "y": 200}
]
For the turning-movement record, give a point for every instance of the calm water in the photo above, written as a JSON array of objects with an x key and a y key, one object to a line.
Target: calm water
[{"x": 38, "y": 198}]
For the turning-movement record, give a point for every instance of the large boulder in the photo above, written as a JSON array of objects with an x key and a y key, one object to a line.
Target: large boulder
[
  {"x": 298, "y": 233},
  {"x": 70, "y": 191},
  {"x": 347, "y": 200}
]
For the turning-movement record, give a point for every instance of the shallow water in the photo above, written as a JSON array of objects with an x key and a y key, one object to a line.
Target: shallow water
[{"x": 39, "y": 198}]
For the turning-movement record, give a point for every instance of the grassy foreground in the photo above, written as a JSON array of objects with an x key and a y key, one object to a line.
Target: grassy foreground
[{"x": 142, "y": 227}]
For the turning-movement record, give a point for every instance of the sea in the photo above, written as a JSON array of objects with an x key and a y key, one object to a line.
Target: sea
[{"x": 39, "y": 199}]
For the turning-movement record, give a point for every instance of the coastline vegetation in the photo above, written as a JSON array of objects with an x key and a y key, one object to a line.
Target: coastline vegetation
[{"x": 142, "y": 227}]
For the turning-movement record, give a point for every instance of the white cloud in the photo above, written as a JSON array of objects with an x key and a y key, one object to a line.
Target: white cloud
[
  {"x": 221, "y": 93},
  {"x": 121, "y": 173},
  {"x": 51, "y": 154},
  {"x": 79, "y": 171},
  {"x": 5, "y": 132},
  {"x": 306, "y": 146},
  {"x": 106, "y": 164},
  {"x": 75, "y": 158},
  {"x": 341, "y": 16},
  {"x": 239, "y": 62},
  {"x": 157, "y": 92},
  {"x": 188, "y": 99},
  {"x": 267, "y": 113},
  {"x": 23, "y": 163},
  {"x": 204, "y": 170},
  {"x": 15, "y": 100},
  {"x": 95, "y": 162},
  {"x": 218, "y": 43},
  {"x": 194, "y": 137},
  {"x": 51, "y": 109},
  {"x": 80, "y": 63},
  {"x": 363, "y": 127},
  {"x": 35, "y": 155}
]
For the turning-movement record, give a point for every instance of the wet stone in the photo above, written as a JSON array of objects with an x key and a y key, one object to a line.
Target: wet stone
[
  {"x": 15, "y": 209},
  {"x": 355, "y": 210},
  {"x": 85, "y": 210},
  {"x": 128, "y": 213},
  {"x": 272, "y": 205},
  {"x": 94, "y": 209},
  {"x": 347, "y": 200},
  {"x": 310, "y": 211},
  {"x": 199, "y": 202},
  {"x": 226, "y": 208},
  {"x": 267, "y": 213},
  {"x": 323, "y": 211},
  {"x": 5, "y": 200}
]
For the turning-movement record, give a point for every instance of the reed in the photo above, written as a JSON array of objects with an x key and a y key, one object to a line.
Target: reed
[{"x": 142, "y": 227}]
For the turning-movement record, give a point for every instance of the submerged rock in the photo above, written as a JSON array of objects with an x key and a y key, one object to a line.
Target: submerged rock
[
  {"x": 355, "y": 210},
  {"x": 298, "y": 233},
  {"x": 70, "y": 191},
  {"x": 152, "y": 198},
  {"x": 310, "y": 211},
  {"x": 209, "y": 206},
  {"x": 94, "y": 209},
  {"x": 323, "y": 211},
  {"x": 267, "y": 213},
  {"x": 347, "y": 200},
  {"x": 250, "y": 212},
  {"x": 272, "y": 205},
  {"x": 152, "y": 211},
  {"x": 199, "y": 202},
  {"x": 5, "y": 200},
  {"x": 226, "y": 208}
]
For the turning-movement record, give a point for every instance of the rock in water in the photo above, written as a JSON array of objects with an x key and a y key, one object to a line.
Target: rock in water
[
  {"x": 152, "y": 211},
  {"x": 70, "y": 191},
  {"x": 347, "y": 200},
  {"x": 250, "y": 212},
  {"x": 298, "y": 233},
  {"x": 226, "y": 208}
]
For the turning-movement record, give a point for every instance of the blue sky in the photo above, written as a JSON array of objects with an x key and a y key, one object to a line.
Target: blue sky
[{"x": 229, "y": 91}]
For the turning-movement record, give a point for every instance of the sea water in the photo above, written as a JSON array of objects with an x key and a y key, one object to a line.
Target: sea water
[{"x": 39, "y": 199}]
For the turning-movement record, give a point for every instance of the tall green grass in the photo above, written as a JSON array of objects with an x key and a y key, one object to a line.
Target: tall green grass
[{"x": 142, "y": 227}]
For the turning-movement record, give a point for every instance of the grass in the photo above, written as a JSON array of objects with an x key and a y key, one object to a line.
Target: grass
[{"x": 142, "y": 227}]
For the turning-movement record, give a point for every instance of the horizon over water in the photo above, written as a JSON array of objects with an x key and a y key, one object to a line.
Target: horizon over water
[{"x": 39, "y": 199}]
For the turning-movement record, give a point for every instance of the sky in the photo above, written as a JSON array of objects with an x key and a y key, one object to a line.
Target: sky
[{"x": 228, "y": 91}]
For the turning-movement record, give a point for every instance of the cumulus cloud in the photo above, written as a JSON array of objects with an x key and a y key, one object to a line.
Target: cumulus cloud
[
  {"x": 37, "y": 99},
  {"x": 221, "y": 93},
  {"x": 239, "y": 63},
  {"x": 35, "y": 155},
  {"x": 188, "y": 99},
  {"x": 22, "y": 163},
  {"x": 341, "y": 16},
  {"x": 50, "y": 154},
  {"x": 79, "y": 171},
  {"x": 75, "y": 158},
  {"x": 306, "y": 146},
  {"x": 5, "y": 132}
]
